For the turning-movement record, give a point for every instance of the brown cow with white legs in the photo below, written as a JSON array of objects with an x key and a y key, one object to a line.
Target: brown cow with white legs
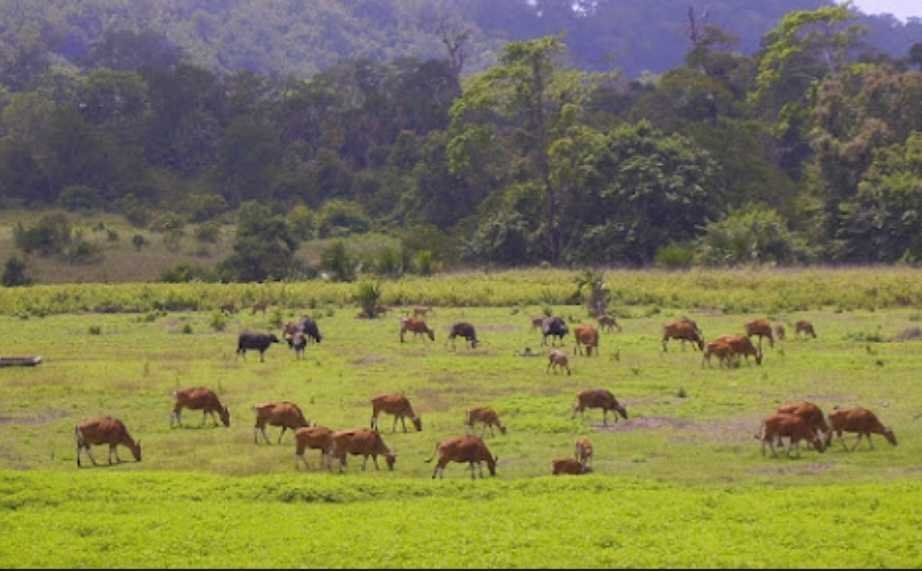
[
  {"x": 487, "y": 416},
  {"x": 313, "y": 438},
  {"x": 569, "y": 466},
  {"x": 760, "y": 328},
  {"x": 683, "y": 330},
  {"x": 780, "y": 425},
  {"x": 583, "y": 451},
  {"x": 599, "y": 398},
  {"x": 361, "y": 442},
  {"x": 416, "y": 326},
  {"x": 804, "y": 327},
  {"x": 557, "y": 358},
  {"x": 859, "y": 420},
  {"x": 199, "y": 398},
  {"x": 397, "y": 405},
  {"x": 104, "y": 430},
  {"x": 285, "y": 414},
  {"x": 470, "y": 449},
  {"x": 588, "y": 336}
]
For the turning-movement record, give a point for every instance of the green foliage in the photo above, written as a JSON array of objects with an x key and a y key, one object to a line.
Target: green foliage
[
  {"x": 303, "y": 222},
  {"x": 80, "y": 251},
  {"x": 368, "y": 297},
  {"x": 209, "y": 232},
  {"x": 338, "y": 262},
  {"x": 339, "y": 218},
  {"x": 50, "y": 235},
  {"x": 95, "y": 330},
  {"x": 423, "y": 263},
  {"x": 138, "y": 241},
  {"x": 675, "y": 257},
  {"x": 185, "y": 273},
  {"x": 80, "y": 199},
  {"x": 15, "y": 273},
  {"x": 755, "y": 235},
  {"x": 264, "y": 247}
]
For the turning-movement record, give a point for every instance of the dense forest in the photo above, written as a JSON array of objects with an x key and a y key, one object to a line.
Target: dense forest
[{"x": 806, "y": 148}]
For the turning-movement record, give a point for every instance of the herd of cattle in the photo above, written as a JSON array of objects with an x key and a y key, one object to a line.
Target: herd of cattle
[{"x": 798, "y": 421}]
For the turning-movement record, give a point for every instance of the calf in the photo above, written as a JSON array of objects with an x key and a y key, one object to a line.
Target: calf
[
  {"x": 487, "y": 416},
  {"x": 554, "y": 327},
  {"x": 859, "y": 420},
  {"x": 589, "y": 336},
  {"x": 313, "y": 438},
  {"x": 569, "y": 466},
  {"x": 361, "y": 442},
  {"x": 417, "y": 326},
  {"x": 285, "y": 414},
  {"x": 199, "y": 398},
  {"x": 599, "y": 398},
  {"x": 804, "y": 327},
  {"x": 465, "y": 330},
  {"x": 780, "y": 332},
  {"x": 583, "y": 452},
  {"x": 537, "y": 322},
  {"x": 808, "y": 411},
  {"x": 557, "y": 359},
  {"x": 608, "y": 322},
  {"x": 683, "y": 330},
  {"x": 104, "y": 430},
  {"x": 760, "y": 328},
  {"x": 259, "y": 341},
  {"x": 470, "y": 449},
  {"x": 397, "y": 405},
  {"x": 780, "y": 425},
  {"x": 742, "y": 346},
  {"x": 719, "y": 348}
]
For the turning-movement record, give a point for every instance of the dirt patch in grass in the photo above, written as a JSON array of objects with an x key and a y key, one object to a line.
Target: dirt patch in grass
[
  {"x": 793, "y": 466},
  {"x": 34, "y": 420},
  {"x": 499, "y": 327},
  {"x": 369, "y": 360},
  {"x": 725, "y": 430},
  {"x": 910, "y": 334}
]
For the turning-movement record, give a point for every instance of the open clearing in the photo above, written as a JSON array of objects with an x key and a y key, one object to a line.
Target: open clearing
[{"x": 681, "y": 483}]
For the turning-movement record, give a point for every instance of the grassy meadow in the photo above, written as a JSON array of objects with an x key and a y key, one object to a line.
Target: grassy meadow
[{"x": 681, "y": 483}]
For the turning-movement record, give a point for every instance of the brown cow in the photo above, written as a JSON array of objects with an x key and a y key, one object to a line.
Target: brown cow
[
  {"x": 780, "y": 332},
  {"x": 471, "y": 449},
  {"x": 417, "y": 326},
  {"x": 589, "y": 336},
  {"x": 487, "y": 416},
  {"x": 741, "y": 345},
  {"x": 397, "y": 405},
  {"x": 599, "y": 398},
  {"x": 608, "y": 322},
  {"x": 569, "y": 466},
  {"x": 583, "y": 452},
  {"x": 780, "y": 425},
  {"x": 199, "y": 398},
  {"x": 804, "y": 327},
  {"x": 361, "y": 442},
  {"x": 684, "y": 330},
  {"x": 104, "y": 430},
  {"x": 557, "y": 358},
  {"x": 859, "y": 420},
  {"x": 313, "y": 438},
  {"x": 809, "y": 412},
  {"x": 285, "y": 414},
  {"x": 761, "y": 328},
  {"x": 719, "y": 348},
  {"x": 260, "y": 306}
]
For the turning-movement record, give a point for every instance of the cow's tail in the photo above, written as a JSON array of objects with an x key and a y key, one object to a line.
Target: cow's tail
[{"x": 434, "y": 452}]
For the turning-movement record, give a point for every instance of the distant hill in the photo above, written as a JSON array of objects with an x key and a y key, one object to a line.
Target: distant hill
[{"x": 293, "y": 37}]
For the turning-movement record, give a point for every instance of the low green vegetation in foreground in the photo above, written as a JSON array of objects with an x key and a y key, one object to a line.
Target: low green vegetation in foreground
[{"x": 682, "y": 482}]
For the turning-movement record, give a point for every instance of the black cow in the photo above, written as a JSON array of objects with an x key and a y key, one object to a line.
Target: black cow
[
  {"x": 258, "y": 341},
  {"x": 554, "y": 327},
  {"x": 466, "y": 330}
]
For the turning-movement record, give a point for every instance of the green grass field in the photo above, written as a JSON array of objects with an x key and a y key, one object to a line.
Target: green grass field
[{"x": 682, "y": 482}]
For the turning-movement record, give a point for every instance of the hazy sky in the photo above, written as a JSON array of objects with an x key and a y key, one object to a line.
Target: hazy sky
[{"x": 900, "y": 8}]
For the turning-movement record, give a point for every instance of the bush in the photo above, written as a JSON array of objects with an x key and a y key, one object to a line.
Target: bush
[
  {"x": 675, "y": 257},
  {"x": 135, "y": 212},
  {"x": 112, "y": 235},
  {"x": 82, "y": 252},
  {"x": 14, "y": 273},
  {"x": 389, "y": 262},
  {"x": 95, "y": 330},
  {"x": 754, "y": 235},
  {"x": 303, "y": 223},
  {"x": 168, "y": 222},
  {"x": 138, "y": 242},
  {"x": 368, "y": 296},
  {"x": 80, "y": 198},
  {"x": 423, "y": 263},
  {"x": 218, "y": 321},
  {"x": 187, "y": 329},
  {"x": 204, "y": 206},
  {"x": 208, "y": 232},
  {"x": 337, "y": 260},
  {"x": 184, "y": 273},
  {"x": 342, "y": 217},
  {"x": 50, "y": 235},
  {"x": 173, "y": 240}
]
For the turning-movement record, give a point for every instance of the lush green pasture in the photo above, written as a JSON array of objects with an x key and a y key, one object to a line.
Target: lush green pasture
[{"x": 682, "y": 482}]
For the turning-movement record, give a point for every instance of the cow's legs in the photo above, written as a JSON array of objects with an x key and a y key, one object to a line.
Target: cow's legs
[
  {"x": 604, "y": 417},
  {"x": 472, "y": 471},
  {"x": 282, "y": 433},
  {"x": 204, "y": 414},
  {"x": 394, "y": 427},
  {"x": 364, "y": 463},
  {"x": 374, "y": 459},
  {"x": 403, "y": 422},
  {"x": 214, "y": 419},
  {"x": 176, "y": 415},
  {"x": 262, "y": 356}
]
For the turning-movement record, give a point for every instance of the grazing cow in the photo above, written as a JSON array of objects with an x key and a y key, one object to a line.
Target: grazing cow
[
  {"x": 307, "y": 326},
  {"x": 589, "y": 336},
  {"x": 599, "y": 398},
  {"x": 229, "y": 309},
  {"x": 313, "y": 438},
  {"x": 760, "y": 328},
  {"x": 859, "y": 420},
  {"x": 299, "y": 344},
  {"x": 780, "y": 425},
  {"x": 684, "y": 330},
  {"x": 742, "y": 346},
  {"x": 104, "y": 430},
  {"x": 583, "y": 451},
  {"x": 804, "y": 327},
  {"x": 465, "y": 330},
  {"x": 361, "y": 442},
  {"x": 397, "y": 405},
  {"x": 487, "y": 416},
  {"x": 719, "y": 348},
  {"x": 258, "y": 341},
  {"x": 608, "y": 322},
  {"x": 554, "y": 327},
  {"x": 557, "y": 358},
  {"x": 809, "y": 412},
  {"x": 285, "y": 414},
  {"x": 471, "y": 449},
  {"x": 569, "y": 466},
  {"x": 780, "y": 332},
  {"x": 260, "y": 306},
  {"x": 417, "y": 326},
  {"x": 199, "y": 398}
]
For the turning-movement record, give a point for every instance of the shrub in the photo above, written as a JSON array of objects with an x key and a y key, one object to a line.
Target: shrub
[
  {"x": 341, "y": 218},
  {"x": 423, "y": 263},
  {"x": 79, "y": 198},
  {"x": 368, "y": 296},
  {"x": 168, "y": 222},
  {"x": 277, "y": 318},
  {"x": 173, "y": 240},
  {"x": 135, "y": 212},
  {"x": 208, "y": 232},
  {"x": 389, "y": 262},
  {"x": 752, "y": 235},
  {"x": 337, "y": 260},
  {"x": 675, "y": 257},
  {"x": 14, "y": 273},
  {"x": 184, "y": 273},
  {"x": 204, "y": 206},
  {"x": 138, "y": 242},
  {"x": 95, "y": 330},
  {"x": 303, "y": 222},
  {"x": 218, "y": 321},
  {"x": 50, "y": 235},
  {"x": 112, "y": 235},
  {"x": 82, "y": 252},
  {"x": 187, "y": 329}
]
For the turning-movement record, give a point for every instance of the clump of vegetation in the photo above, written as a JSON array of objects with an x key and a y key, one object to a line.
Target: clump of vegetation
[
  {"x": 138, "y": 241},
  {"x": 15, "y": 273},
  {"x": 208, "y": 232},
  {"x": 50, "y": 235},
  {"x": 368, "y": 296},
  {"x": 95, "y": 330},
  {"x": 277, "y": 318},
  {"x": 218, "y": 321},
  {"x": 187, "y": 329},
  {"x": 590, "y": 286},
  {"x": 338, "y": 262},
  {"x": 675, "y": 257},
  {"x": 80, "y": 251},
  {"x": 185, "y": 273}
]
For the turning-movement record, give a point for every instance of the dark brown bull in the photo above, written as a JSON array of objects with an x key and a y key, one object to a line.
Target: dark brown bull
[
  {"x": 599, "y": 398},
  {"x": 470, "y": 449},
  {"x": 466, "y": 331},
  {"x": 199, "y": 398},
  {"x": 104, "y": 430}
]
